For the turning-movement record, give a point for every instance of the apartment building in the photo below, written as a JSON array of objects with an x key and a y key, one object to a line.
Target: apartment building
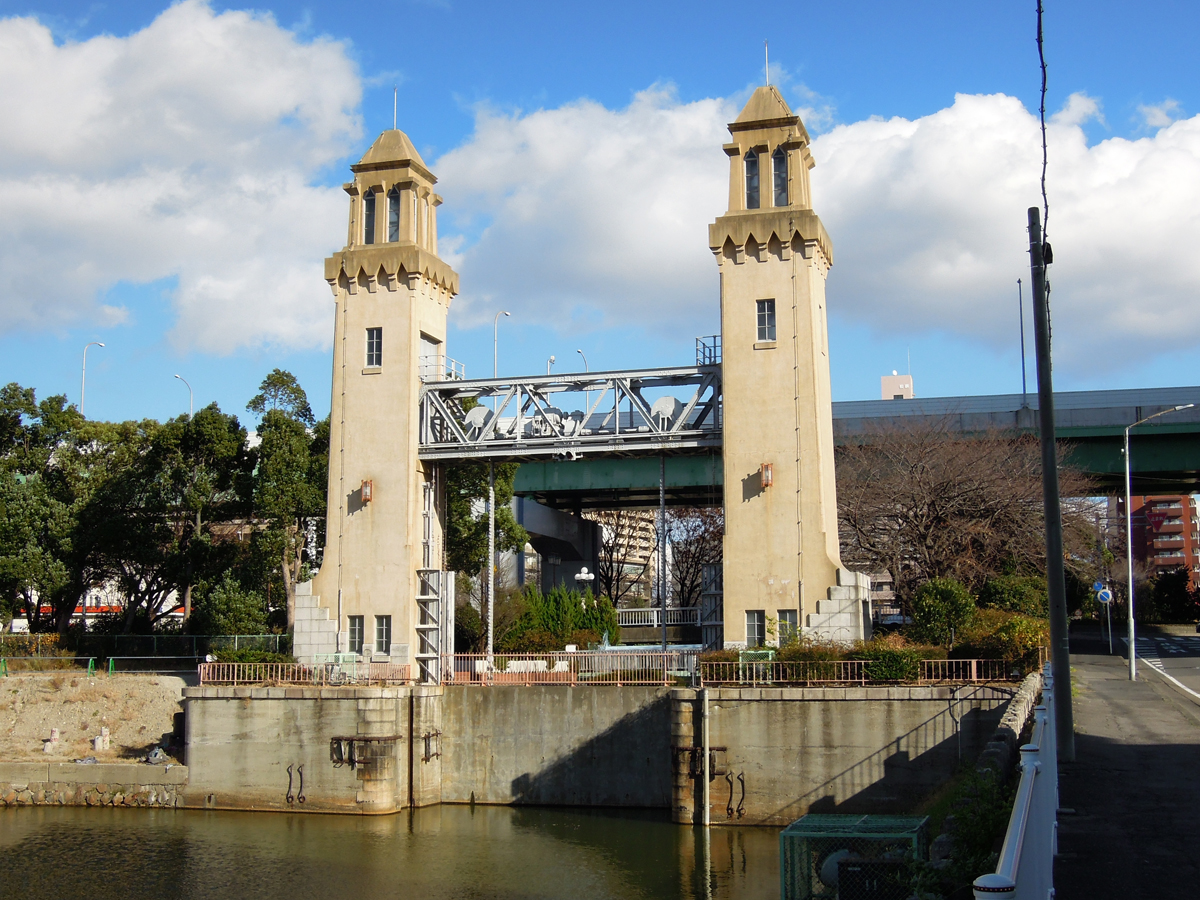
[{"x": 1166, "y": 533}]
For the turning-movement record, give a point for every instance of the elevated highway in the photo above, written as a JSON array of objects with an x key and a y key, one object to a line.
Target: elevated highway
[{"x": 1166, "y": 453}]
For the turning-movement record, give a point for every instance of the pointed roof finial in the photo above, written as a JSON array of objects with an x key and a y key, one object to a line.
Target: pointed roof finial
[{"x": 766, "y": 64}]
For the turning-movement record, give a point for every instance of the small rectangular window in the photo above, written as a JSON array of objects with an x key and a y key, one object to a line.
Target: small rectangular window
[
  {"x": 789, "y": 625},
  {"x": 369, "y": 217},
  {"x": 383, "y": 635},
  {"x": 374, "y": 347},
  {"x": 356, "y": 634},
  {"x": 756, "y": 627},
  {"x": 766, "y": 320}
]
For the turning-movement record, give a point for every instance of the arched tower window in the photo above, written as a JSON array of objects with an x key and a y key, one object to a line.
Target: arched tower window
[
  {"x": 393, "y": 215},
  {"x": 751, "y": 160},
  {"x": 779, "y": 169},
  {"x": 369, "y": 217}
]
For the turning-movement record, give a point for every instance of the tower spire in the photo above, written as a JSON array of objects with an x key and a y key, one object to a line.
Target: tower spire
[{"x": 766, "y": 65}]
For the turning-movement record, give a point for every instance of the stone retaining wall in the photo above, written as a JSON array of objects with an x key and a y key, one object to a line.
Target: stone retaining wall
[{"x": 102, "y": 784}]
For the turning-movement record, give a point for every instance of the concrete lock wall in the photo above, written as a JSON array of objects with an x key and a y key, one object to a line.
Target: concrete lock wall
[
  {"x": 779, "y": 753},
  {"x": 558, "y": 745},
  {"x": 241, "y": 742},
  {"x": 776, "y": 753}
]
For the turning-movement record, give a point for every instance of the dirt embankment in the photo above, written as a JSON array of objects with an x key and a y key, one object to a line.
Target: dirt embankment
[{"x": 137, "y": 710}]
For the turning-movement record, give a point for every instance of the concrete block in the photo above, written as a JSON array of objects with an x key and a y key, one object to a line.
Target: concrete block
[
  {"x": 23, "y": 772},
  {"x": 772, "y": 693}
]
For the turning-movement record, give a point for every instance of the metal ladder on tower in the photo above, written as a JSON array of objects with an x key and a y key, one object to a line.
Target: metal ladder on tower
[{"x": 429, "y": 598}]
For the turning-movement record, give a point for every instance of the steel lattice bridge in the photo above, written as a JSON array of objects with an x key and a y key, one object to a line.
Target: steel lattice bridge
[{"x": 633, "y": 413}]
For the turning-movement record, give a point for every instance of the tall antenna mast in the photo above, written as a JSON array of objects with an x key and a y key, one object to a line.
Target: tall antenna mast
[
  {"x": 766, "y": 63},
  {"x": 395, "y": 95}
]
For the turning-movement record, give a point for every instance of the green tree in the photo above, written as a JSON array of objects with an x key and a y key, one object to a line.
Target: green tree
[
  {"x": 280, "y": 391},
  {"x": 466, "y": 515},
  {"x": 228, "y": 608},
  {"x": 162, "y": 523},
  {"x": 1016, "y": 593},
  {"x": 290, "y": 480},
  {"x": 558, "y": 617},
  {"x": 941, "y": 607}
]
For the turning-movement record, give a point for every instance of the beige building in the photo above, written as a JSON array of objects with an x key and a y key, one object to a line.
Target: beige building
[
  {"x": 380, "y": 591},
  {"x": 781, "y": 556},
  {"x": 896, "y": 387}
]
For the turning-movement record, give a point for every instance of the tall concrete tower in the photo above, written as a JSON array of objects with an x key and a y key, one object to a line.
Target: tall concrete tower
[
  {"x": 781, "y": 557},
  {"x": 379, "y": 588}
]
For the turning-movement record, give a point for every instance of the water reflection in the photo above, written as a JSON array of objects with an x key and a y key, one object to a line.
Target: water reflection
[{"x": 434, "y": 853}]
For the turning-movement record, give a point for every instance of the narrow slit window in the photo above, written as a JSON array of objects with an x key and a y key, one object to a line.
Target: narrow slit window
[
  {"x": 393, "y": 215},
  {"x": 416, "y": 206},
  {"x": 374, "y": 347},
  {"x": 779, "y": 169},
  {"x": 751, "y": 161},
  {"x": 383, "y": 635},
  {"x": 766, "y": 320},
  {"x": 369, "y": 217}
]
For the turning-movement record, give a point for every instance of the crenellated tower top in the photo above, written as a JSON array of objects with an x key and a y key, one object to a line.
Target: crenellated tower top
[
  {"x": 770, "y": 202},
  {"x": 392, "y": 232}
]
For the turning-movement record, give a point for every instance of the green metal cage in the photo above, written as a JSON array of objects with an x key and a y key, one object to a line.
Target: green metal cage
[{"x": 850, "y": 857}]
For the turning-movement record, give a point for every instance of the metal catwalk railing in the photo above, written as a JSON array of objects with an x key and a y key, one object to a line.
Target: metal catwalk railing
[
  {"x": 643, "y": 411},
  {"x": 342, "y": 672},
  {"x": 1026, "y": 867},
  {"x": 651, "y": 617},
  {"x": 852, "y": 672},
  {"x": 603, "y": 667}
]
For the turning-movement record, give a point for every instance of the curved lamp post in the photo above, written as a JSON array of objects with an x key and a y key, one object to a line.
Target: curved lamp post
[
  {"x": 189, "y": 387},
  {"x": 1129, "y": 533},
  {"x": 83, "y": 381}
]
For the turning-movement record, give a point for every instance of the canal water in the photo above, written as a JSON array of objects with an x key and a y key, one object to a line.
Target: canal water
[{"x": 506, "y": 853}]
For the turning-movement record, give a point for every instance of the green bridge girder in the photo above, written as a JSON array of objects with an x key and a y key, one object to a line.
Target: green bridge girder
[{"x": 1166, "y": 459}]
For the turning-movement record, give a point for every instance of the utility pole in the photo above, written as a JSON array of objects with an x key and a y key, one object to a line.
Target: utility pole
[{"x": 1060, "y": 653}]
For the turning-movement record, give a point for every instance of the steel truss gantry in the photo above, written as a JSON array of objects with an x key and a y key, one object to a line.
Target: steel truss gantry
[{"x": 638, "y": 412}]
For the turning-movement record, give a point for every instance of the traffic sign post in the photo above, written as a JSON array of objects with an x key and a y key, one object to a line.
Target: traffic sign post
[{"x": 1105, "y": 596}]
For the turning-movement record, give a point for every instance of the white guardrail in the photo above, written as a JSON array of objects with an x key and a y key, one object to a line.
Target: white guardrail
[
  {"x": 651, "y": 617},
  {"x": 1026, "y": 867}
]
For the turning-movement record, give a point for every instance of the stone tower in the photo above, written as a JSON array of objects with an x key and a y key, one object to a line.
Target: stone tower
[
  {"x": 380, "y": 585},
  {"x": 781, "y": 557}
]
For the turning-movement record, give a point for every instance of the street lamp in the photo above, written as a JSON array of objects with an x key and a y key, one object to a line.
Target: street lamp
[
  {"x": 1129, "y": 532},
  {"x": 191, "y": 407},
  {"x": 549, "y": 363},
  {"x": 83, "y": 381},
  {"x": 496, "y": 342}
]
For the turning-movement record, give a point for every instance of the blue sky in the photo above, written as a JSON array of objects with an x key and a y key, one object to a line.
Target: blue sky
[{"x": 473, "y": 72}]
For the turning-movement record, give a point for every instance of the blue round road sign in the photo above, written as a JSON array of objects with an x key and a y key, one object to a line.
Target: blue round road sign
[{"x": 1104, "y": 595}]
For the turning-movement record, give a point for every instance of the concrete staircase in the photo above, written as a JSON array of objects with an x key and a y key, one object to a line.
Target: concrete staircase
[
  {"x": 315, "y": 632},
  {"x": 845, "y": 616}
]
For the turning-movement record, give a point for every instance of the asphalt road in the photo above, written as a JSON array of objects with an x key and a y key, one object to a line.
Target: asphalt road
[{"x": 1131, "y": 800}]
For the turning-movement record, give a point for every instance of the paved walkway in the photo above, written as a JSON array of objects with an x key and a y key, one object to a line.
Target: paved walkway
[{"x": 1135, "y": 784}]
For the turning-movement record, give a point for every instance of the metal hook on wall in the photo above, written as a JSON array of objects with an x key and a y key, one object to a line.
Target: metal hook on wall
[
  {"x": 741, "y": 807},
  {"x": 291, "y": 798},
  {"x": 729, "y": 805},
  {"x": 300, "y": 795}
]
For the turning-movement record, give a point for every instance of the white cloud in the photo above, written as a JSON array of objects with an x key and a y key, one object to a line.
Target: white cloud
[
  {"x": 591, "y": 213},
  {"x": 600, "y": 215},
  {"x": 186, "y": 150},
  {"x": 928, "y": 221},
  {"x": 1159, "y": 115}
]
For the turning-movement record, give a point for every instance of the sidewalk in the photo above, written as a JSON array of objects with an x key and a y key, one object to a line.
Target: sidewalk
[{"x": 1134, "y": 787}]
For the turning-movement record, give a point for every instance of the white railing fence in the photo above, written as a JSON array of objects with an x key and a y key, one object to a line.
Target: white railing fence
[
  {"x": 651, "y": 617},
  {"x": 1026, "y": 867}
]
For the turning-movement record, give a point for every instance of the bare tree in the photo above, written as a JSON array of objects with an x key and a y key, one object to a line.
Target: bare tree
[
  {"x": 695, "y": 535},
  {"x": 923, "y": 502},
  {"x": 627, "y": 547}
]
